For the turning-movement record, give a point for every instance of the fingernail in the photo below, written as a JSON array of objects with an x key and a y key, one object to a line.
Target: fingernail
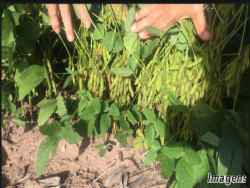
[
  {"x": 136, "y": 16},
  {"x": 206, "y": 35},
  {"x": 141, "y": 35},
  {"x": 87, "y": 24},
  {"x": 57, "y": 30},
  {"x": 70, "y": 38},
  {"x": 133, "y": 27}
]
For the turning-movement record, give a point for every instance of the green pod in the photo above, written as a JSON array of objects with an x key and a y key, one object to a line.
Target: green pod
[
  {"x": 117, "y": 60},
  {"x": 181, "y": 70},
  {"x": 191, "y": 65},
  {"x": 198, "y": 76},
  {"x": 193, "y": 89},
  {"x": 174, "y": 67}
]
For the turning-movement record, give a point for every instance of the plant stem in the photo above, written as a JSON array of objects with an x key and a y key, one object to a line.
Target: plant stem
[
  {"x": 30, "y": 104},
  {"x": 51, "y": 77}
]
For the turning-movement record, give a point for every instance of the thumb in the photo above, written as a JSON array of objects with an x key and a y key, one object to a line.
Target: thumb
[{"x": 201, "y": 26}]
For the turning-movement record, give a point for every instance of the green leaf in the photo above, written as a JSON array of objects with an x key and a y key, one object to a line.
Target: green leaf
[
  {"x": 226, "y": 148},
  {"x": 122, "y": 26},
  {"x": 67, "y": 81},
  {"x": 167, "y": 167},
  {"x": 131, "y": 41},
  {"x": 105, "y": 123},
  {"x": 182, "y": 38},
  {"x": 135, "y": 108},
  {"x": 104, "y": 106},
  {"x": 138, "y": 142},
  {"x": 184, "y": 174},
  {"x": 190, "y": 156},
  {"x": 149, "y": 134},
  {"x": 113, "y": 110},
  {"x": 91, "y": 126},
  {"x": 18, "y": 112},
  {"x": 88, "y": 113},
  {"x": 201, "y": 170},
  {"x": 81, "y": 105},
  {"x": 129, "y": 132},
  {"x": 153, "y": 31},
  {"x": 122, "y": 71},
  {"x": 69, "y": 133},
  {"x": 114, "y": 43},
  {"x": 123, "y": 140},
  {"x": 27, "y": 33},
  {"x": 150, "y": 157},
  {"x": 124, "y": 124},
  {"x": 235, "y": 167},
  {"x": 177, "y": 105},
  {"x": 137, "y": 115},
  {"x": 139, "y": 132},
  {"x": 210, "y": 138},
  {"x": 202, "y": 110},
  {"x": 129, "y": 20},
  {"x": 130, "y": 117},
  {"x": 31, "y": 78},
  {"x": 3, "y": 98},
  {"x": 99, "y": 146},
  {"x": 84, "y": 93},
  {"x": 181, "y": 47},
  {"x": 155, "y": 145},
  {"x": 175, "y": 150},
  {"x": 22, "y": 65},
  {"x": 160, "y": 128},
  {"x": 11, "y": 106},
  {"x": 96, "y": 103},
  {"x": 202, "y": 124},
  {"x": 102, "y": 152},
  {"x": 43, "y": 153},
  {"x": 20, "y": 121},
  {"x": 48, "y": 107},
  {"x": 235, "y": 124},
  {"x": 149, "y": 114},
  {"x": 71, "y": 72},
  {"x": 99, "y": 34},
  {"x": 118, "y": 135},
  {"x": 10, "y": 58},
  {"x": 173, "y": 39},
  {"x": 5, "y": 53},
  {"x": 54, "y": 128},
  {"x": 46, "y": 19},
  {"x": 132, "y": 63},
  {"x": 61, "y": 109},
  {"x": 150, "y": 48},
  {"x": 7, "y": 27}
]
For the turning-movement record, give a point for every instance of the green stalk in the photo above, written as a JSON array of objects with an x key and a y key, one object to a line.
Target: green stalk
[
  {"x": 30, "y": 104},
  {"x": 51, "y": 77}
]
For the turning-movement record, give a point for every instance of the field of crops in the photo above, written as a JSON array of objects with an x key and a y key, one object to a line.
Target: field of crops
[{"x": 184, "y": 100}]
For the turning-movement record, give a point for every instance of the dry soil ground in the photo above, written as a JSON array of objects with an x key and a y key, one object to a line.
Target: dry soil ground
[{"x": 77, "y": 165}]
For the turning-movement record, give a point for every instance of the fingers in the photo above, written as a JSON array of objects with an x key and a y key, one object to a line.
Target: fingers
[
  {"x": 144, "y": 35},
  {"x": 201, "y": 25},
  {"x": 147, "y": 21},
  {"x": 144, "y": 12},
  {"x": 84, "y": 16},
  {"x": 53, "y": 14},
  {"x": 66, "y": 18}
]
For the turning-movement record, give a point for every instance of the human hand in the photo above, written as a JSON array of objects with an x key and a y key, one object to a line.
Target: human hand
[
  {"x": 66, "y": 18},
  {"x": 163, "y": 15}
]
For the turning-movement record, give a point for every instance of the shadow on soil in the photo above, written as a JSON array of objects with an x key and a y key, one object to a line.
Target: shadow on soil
[
  {"x": 84, "y": 144},
  {"x": 5, "y": 181}
]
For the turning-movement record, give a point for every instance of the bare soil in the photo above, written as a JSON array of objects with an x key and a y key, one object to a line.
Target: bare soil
[{"x": 76, "y": 165}]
